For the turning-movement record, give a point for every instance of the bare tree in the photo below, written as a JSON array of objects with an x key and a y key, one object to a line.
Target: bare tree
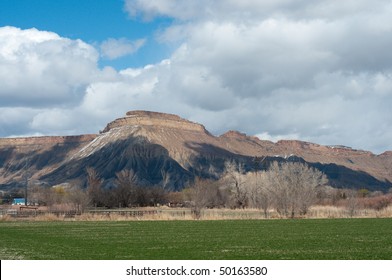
[
  {"x": 259, "y": 192},
  {"x": 47, "y": 197},
  {"x": 234, "y": 178},
  {"x": 37, "y": 194},
  {"x": 157, "y": 196},
  {"x": 126, "y": 182},
  {"x": 78, "y": 197},
  {"x": 294, "y": 187},
  {"x": 94, "y": 189},
  {"x": 175, "y": 199},
  {"x": 202, "y": 194},
  {"x": 352, "y": 202}
]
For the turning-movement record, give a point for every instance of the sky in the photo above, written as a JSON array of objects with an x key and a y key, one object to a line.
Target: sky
[{"x": 310, "y": 70}]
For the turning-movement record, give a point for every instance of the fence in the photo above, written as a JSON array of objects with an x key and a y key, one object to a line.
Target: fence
[
  {"x": 130, "y": 213},
  {"x": 33, "y": 212}
]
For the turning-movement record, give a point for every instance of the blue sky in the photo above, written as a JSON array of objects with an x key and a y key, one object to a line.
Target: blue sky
[
  {"x": 92, "y": 21},
  {"x": 312, "y": 70}
]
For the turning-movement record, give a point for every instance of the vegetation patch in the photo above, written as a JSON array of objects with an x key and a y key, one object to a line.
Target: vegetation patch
[{"x": 224, "y": 239}]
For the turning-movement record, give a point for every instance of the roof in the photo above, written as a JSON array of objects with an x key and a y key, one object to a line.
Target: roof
[{"x": 18, "y": 201}]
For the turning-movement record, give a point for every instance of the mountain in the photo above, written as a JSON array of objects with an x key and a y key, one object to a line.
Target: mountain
[{"x": 166, "y": 150}]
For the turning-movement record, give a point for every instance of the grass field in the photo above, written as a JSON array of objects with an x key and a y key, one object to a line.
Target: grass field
[{"x": 240, "y": 239}]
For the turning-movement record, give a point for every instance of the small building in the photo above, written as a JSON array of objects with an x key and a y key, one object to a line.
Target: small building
[{"x": 18, "y": 201}]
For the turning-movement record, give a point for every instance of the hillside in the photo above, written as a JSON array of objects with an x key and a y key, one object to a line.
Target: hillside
[{"x": 166, "y": 150}]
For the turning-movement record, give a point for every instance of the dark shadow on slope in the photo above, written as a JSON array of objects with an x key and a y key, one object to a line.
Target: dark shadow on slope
[
  {"x": 338, "y": 176},
  {"x": 58, "y": 152},
  {"x": 53, "y": 156},
  {"x": 149, "y": 161},
  {"x": 210, "y": 160},
  {"x": 34, "y": 160},
  {"x": 5, "y": 155},
  {"x": 343, "y": 177},
  {"x": 14, "y": 162}
]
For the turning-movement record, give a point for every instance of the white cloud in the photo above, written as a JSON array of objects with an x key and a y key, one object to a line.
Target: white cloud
[
  {"x": 276, "y": 138},
  {"x": 116, "y": 48},
  {"x": 40, "y": 68},
  {"x": 314, "y": 70},
  {"x": 250, "y": 10},
  {"x": 15, "y": 120},
  {"x": 154, "y": 8}
]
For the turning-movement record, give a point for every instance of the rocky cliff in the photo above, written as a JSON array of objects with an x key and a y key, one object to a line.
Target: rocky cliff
[
  {"x": 145, "y": 118},
  {"x": 36, "y": 156},
  {"x": 164, "y": 149}
]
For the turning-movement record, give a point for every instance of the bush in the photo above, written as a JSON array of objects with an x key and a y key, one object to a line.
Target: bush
[{"x": 378, "y": 203}]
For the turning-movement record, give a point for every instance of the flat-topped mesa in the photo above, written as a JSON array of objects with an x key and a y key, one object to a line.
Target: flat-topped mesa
[
  {"x": 234, "y": 134},
  {"x": 297, "y": 145},
  {"x": 42, "y": 140},
  {"x": 147, "y": 118}
]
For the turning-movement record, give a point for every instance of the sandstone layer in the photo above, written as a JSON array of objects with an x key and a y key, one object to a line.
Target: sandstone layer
[{"x": 158, "y": 146}]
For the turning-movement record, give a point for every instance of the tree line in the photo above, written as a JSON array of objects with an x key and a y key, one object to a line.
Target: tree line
[{"x": 289, "y": 188}]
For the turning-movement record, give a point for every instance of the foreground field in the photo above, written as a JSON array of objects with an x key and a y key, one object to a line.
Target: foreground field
[{"x": 240, "y": 239}]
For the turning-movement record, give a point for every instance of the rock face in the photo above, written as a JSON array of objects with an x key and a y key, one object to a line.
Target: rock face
[
  {"x": 35, "y": 156},
  {"x": 166, "y": 150},
  {"x": 145, "y": 118}
]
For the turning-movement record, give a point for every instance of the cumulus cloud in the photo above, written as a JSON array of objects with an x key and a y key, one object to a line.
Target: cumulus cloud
[
  {"x": 115, "y": 48},
  {"x": 315, "y": 70},
  {"x": 311, "y": 70},
  {"x": 276, "y": 138},
  {"x": 39, "y": 68},
  {"x": 253, "y": 10}
]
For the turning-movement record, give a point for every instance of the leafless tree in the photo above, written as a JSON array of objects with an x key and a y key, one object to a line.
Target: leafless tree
[
  {"x": 175, "y": 199},
  {"x": 352, "y": 202},
  {"x": 37, "y": 194},
  {"x": 94, "y": 189},
  {"x": 294, "y": 187},
  {"x": 157, "y": 195},
  {"x": 126, "y": 182},
  {"x": 259, "y": 191},
  {"x": 78, "y": 197},
  {"x": 47, "y": 197},
  {"x": 201, "y": 194},
  {"x": 235, "y": 180}
]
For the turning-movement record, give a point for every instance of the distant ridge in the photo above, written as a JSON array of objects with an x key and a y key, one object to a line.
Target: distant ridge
[{"x": 158, "y": 145}]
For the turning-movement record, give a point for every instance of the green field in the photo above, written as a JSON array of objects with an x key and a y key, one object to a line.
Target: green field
[{"x": 240, "y": 239}]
